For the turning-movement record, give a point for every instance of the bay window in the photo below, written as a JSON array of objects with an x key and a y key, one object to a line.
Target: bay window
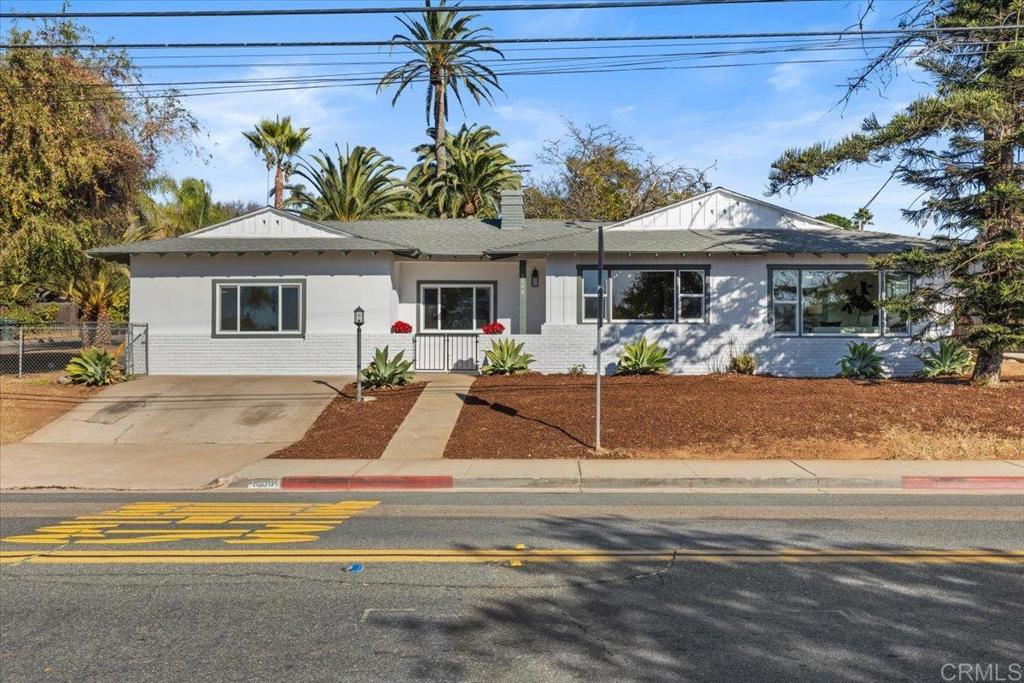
[
  {"x": 806, "y": 301},
  {"x": 653, "y": 294},
  {"x": 258, "y": 308},
  {"x": 456, "y": 307}
]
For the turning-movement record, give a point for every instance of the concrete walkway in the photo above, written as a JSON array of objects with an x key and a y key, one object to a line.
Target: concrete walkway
[{"x": 424, "y": 433}]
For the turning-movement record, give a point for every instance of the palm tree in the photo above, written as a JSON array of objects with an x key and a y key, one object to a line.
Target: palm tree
[
  {"x": 863, "y": 217},
  {"x": 100, "y": 288},
  {"x": 360, "y": 184},
  {"x": 477, "y": 172},
  {"x": 278, "y": 143},
  {"x": 444, "y": 65}
]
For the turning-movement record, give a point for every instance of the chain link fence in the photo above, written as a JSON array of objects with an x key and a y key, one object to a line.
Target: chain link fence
[{"x": 33, "y": 349}]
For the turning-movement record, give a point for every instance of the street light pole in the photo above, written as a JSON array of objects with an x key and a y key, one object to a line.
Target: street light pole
[
  {"x": 600, "y": 323},
  {"x": 358, "y": 317}
]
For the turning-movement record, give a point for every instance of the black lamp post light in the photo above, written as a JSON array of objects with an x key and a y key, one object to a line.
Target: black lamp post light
[{"x": 359, "y": 317}]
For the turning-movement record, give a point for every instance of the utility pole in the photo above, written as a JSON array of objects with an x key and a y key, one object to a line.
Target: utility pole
[{"x": 600, "y": 323}]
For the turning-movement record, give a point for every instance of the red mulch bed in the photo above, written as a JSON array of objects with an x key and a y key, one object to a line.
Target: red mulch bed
[
  {"x": 346, "y": 429},
  {"x": 734, "y": 416}
]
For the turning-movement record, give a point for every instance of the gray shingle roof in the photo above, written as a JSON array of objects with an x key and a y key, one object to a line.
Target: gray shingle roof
[
  {"x": 199, "y": 245},
  {"x": 462, "y": 236},
  {"x": 473, "y": 237},
  {"x": 733, "y": 241}
]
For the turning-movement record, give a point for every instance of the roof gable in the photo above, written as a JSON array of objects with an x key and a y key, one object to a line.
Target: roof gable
[
  {"x": 722, "y": 209},
  {"x": 267, "y": 223}
]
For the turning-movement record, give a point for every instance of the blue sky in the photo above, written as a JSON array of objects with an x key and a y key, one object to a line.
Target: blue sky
[{"x": 739, "y": 119}]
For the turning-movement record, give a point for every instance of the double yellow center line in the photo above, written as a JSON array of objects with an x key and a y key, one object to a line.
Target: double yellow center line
[{"x": 498, "y": 556}]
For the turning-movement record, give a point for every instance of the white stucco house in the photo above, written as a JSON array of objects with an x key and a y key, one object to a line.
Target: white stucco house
[{"x": 721, "y": 273}]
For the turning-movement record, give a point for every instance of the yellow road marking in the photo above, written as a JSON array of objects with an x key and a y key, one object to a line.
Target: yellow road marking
[
  {"x": 159, "y": 522},
  {"x": 567, "y": 555}
]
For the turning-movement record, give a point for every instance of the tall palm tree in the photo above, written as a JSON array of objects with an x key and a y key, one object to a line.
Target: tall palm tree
[
  {"x": 445, "y": 66},
  {"x": 863, "y": 217},
  {"x": 478, "y": 170},
  {"x": 360, "y": 184},
  {"x": 278, "y": 143}
]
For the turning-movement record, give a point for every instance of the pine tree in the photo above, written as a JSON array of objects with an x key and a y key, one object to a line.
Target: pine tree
[{"x": 963, "y": 145}]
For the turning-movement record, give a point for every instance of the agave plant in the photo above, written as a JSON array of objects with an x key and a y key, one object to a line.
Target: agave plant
[
  {"x": 387, "y": 371},
  {"x": 506, "y": 357},
  {"x": 94, "y": 367},
  {"x": 861, "y": 362},
  {"x": 951, "y": 359},
  {"x": 642, "y": 358}
]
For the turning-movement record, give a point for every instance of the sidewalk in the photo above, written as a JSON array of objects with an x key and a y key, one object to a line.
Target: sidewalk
[{"x": 576, "y": 475}]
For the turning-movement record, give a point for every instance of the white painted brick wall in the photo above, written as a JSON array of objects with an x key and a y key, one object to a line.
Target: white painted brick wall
[
  {"x": 700, "y": 349},
  {"x": 321, "y": 354},
  {"x": 694, "y": 350}
]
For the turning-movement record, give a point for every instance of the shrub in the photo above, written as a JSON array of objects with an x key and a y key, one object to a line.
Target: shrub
[
  {"x": 642, "y": 358},
  {"x": 950, "y": 359},
  {"x": 743, "y": 364},
  {"x": 401, "y": 327},
  {"x": 506, "y": 357},
  {"x": 577, "y": 369},
  {"x": 35, "y": 314},
  {"x": 493, "y": 328},
  {"x": 861, "y": 362},
  {"x": 385, "y": 371},
  {"x": 94, "y": 367}
]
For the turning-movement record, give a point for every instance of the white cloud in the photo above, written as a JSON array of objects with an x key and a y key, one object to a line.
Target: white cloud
[{"x": 789, "y": 76}]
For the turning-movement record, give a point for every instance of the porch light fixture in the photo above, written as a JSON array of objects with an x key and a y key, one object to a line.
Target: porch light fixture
[
  {"x": 535, "y": 278},
  {"x": 359, "y": 317}
]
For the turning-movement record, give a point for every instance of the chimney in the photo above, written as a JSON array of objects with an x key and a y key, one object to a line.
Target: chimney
[{"x": 511, "y": 210}]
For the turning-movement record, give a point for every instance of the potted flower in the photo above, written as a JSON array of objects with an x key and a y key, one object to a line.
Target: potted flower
[
  {"x": 401, "y": 327},
  {"x": 493, "y": 328}
]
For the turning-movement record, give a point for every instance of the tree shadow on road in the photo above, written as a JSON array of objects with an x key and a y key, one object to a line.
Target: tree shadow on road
[{"x": 724, "y": 620}]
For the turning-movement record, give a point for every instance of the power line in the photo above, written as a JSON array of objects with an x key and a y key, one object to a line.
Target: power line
[
  {"x": 520, "y": 41},
  {"x": 416, "y": 9}
]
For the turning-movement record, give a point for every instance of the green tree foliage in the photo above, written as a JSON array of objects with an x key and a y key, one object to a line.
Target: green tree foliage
[
  {"x": 837, "y": 220},
  {"x": 278, "y": 143},
  {"x": 963, "y": 146},
  {"x": 359, "y": 184},
  {"x": 79, "y": 141},
  {"x": 478, "y": 170},
  {"x": 601, "y": 174},
  {"x": 445, "y": 67},
  {"x": 863, "y": 217}
]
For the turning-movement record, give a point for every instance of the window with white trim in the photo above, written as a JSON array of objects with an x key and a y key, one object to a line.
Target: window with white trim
[
  {"x": 258, "y": 308},
  {"x": 834, "y": 302},
  {"x": 462, "y": 307},
  {"x": 649, "y": 295}
]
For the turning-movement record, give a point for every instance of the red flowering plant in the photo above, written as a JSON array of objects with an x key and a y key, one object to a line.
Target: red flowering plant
[
  {"x": 493, "y": 328},
  {"x": 401, "y": 327}
]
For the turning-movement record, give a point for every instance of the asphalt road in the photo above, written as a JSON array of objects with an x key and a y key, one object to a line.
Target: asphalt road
[{"x": 502, "y": 587}]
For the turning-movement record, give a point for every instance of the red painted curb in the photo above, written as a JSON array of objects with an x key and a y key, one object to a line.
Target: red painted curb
[
  {"x": 963, "y": 482},
  {"x": 368, "y": 482}
]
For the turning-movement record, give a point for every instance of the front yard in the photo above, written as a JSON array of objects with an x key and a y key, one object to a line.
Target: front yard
[
  {"x": 32, "y": 402},
  {"x": 736, "y": 416}
]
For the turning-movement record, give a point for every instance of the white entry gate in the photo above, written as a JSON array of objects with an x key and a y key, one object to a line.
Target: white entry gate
[{"x": 447, "y": 352}]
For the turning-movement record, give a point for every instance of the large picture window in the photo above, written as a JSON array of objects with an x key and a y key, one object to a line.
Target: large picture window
[
  {"x": 651, "y": 295},
  {"x": 821, "y": 301},
  {"x": 456, "y": 307},
  {"x": 258, "y": 308}
]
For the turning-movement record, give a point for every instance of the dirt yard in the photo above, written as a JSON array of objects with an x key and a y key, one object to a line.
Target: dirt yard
[
  {"x": 34, "y": 401},
  {"x": 733, "y": 416},
  {"x": 346, "y": 429}
]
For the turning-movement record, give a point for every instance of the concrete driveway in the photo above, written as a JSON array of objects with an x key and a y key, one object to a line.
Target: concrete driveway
[{"x": 167, "y": 432}]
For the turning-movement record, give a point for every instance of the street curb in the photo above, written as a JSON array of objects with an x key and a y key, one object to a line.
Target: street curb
[
  {"x": 448, "y": 482},
  {"x": 961, "y": 483}
]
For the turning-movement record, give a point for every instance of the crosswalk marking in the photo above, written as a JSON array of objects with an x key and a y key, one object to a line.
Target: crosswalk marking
[{"x": 231, "y": 523}]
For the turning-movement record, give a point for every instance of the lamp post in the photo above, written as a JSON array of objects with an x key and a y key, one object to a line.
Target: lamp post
[{"x": 359, "y": 317}]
